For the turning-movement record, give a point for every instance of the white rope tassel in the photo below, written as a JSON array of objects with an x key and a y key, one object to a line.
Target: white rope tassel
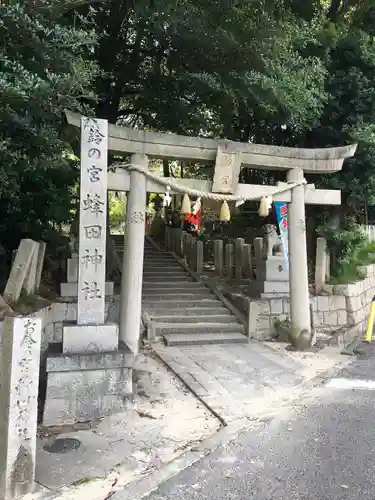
[
  {"x": 197, "y": 206},
  {"x": 167, "y": 197},
  {"x": 265, "y": 206}
]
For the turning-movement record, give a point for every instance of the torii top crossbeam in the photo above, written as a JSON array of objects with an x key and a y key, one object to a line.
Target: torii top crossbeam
[{"x": 172, "y": 146}]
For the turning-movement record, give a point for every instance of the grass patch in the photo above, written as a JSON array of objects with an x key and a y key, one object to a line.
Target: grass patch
[{"x": 85, "y": 480}]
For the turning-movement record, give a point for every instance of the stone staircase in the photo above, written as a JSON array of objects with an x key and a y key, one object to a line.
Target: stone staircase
[{"x": 184, "y": 311}]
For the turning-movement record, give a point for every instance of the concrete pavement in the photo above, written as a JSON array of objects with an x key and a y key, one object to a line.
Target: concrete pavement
[{"x": 319, "y": 449}]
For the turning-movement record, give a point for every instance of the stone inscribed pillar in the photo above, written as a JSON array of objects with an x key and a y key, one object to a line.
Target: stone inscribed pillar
[
  {"x": 92, "y": 221},
  {"x": 92, "y": 287},
  {"x": 90, "y": 334},
  {"x": 19, "y": 376}
]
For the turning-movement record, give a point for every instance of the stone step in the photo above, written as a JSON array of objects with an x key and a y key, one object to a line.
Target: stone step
[
  {"x": 160, "y": 296},
  {"x": 170, "y": 289},
  {"x": 205, "y": 338},
  {"x": 176, "y": 283},
  {"x": 168, "y": 278},
  {"x": 212, "y": 318},
  {"x": 164, "y": 270},
  {"x": 183, "y": 328},
  {"x": 171, "y": 266},
  {"x": 178, "y": 302},
  {"x": 161, "y": 258},
  {"x": 183, "y": 313}
]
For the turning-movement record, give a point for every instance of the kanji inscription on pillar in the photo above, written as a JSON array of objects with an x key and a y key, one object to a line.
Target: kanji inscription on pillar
[
  {"x": 20, "y": 360},
  {"x": 93, "y": 220}
]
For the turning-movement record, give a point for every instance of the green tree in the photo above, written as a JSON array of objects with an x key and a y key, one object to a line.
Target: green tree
[
  {"x": 204, "y": 67},
  {"x": 45, "y": 66}
]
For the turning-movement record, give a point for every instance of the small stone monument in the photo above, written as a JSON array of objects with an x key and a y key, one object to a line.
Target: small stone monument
[
  {"x": 272, "y": 274},
  {"x": 90, "y": 376},
  {"x": 19, "y": 380}
]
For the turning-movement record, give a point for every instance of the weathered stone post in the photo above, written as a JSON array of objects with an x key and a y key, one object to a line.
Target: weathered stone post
[
  {"x": 320, "y": 264},
  {"x": 19, "y": 379},
  {"x": 298, "y": 275},
  {"x": 132, "y": 266}
]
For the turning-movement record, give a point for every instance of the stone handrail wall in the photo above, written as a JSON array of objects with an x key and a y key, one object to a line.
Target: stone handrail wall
[{"x": 229, "y": 260}]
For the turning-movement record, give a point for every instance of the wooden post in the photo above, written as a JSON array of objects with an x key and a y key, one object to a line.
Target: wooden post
[
  {"x": 183, "y": 244},
  {"x": 218, "y": 257},
  {"x": 189, "y": 243},
  {"x": 239, "y": 243},
  {"x": 298, "y": 275},
  {"x": 193, "y": 254},
  {"x": 247, "y": 261},
  {"x": 132, "y": 268},
  {"x": 258, "y": 253},
  {"x": 228, "y": 251},
  {"x": 199, "y": 254}
]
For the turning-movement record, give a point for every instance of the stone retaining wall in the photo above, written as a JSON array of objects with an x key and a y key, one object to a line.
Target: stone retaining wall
[{"x": 339, "y": 307}]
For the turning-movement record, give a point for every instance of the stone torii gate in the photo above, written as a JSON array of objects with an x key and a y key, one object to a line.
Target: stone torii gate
[{"x": 229, "y": 158}]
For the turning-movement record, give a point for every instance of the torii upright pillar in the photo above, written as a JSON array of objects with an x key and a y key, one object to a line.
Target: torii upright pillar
[
  {"x": 298, "y": 273},
  {"x": 132, "y": 267}
]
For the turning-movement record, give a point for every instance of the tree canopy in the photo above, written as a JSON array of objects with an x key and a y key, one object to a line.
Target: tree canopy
[
  {"x": 45, "y": 66},
  {"x": 268, "y": 71}
]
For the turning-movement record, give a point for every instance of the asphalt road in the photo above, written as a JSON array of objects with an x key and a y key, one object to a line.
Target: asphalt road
[{"x": 322, "y": 448}]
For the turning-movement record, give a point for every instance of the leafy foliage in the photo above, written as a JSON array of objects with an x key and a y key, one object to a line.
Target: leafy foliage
[
  {"x": 44, "y": 68},
  {"x": 349, "y": 248}
]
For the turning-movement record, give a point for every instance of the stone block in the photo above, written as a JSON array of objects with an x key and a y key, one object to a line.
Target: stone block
[
  {"x": 323, "y": 303},
  {"x": 72, "y": 271},
  {"x": 90, "y": 338},
  {"x": 19, "y": 269},
  {"x": 286, "y": 306},
  {"x": 277, "y": 306},
  {"x": 29, "y": 284},
  {"x": 83, "y": 387},
  {"x": 273, "y": 269},
  {"x": 353, "y": 303},
  {"x": 350, "y": 290},
  {"x": 269, "y": 287},
  {"x": 71, "y": 289},
  {"x": 342, "y": 318},
  {"x": 314, "y": 303},
  {"x": 121, "y": 358},
  {"x": 318, "y": 319},
  {"x": 19, "y": 361},
  {"x": 330, "y": 319},
  {"x": 336, "y": 302},
  {"x": 327, "y": 289},
  {"x": 86, "y": 395},
  {"x": 356, "y": 316},
  {"x": 258, "y": 323},
  {"x": 40, "y": 263}
]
